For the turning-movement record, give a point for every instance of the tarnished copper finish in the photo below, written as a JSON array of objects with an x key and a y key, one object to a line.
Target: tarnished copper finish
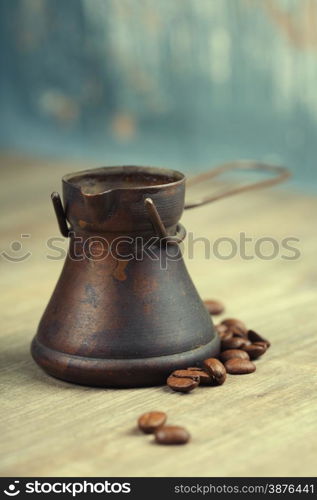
[
  {"x": 125, "y": 317},
  {"x": 118, "y": 321}
]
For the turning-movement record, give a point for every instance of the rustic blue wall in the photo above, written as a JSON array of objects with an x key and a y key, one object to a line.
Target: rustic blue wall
[{"x": 186, "y": 83}]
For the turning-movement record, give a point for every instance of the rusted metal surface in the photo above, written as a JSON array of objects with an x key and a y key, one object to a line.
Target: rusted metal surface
[{"x": 118, "y": 321}]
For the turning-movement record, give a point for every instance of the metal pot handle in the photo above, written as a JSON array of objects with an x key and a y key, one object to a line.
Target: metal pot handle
[
  {"x": 159, "y": 227},
  {"x": 280, "y": 175}
]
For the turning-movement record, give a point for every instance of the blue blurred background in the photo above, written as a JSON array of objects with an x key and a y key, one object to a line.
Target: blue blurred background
[{"x": 180, "y": 83}]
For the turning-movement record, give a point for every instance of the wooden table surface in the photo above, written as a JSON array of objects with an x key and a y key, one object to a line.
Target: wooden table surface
[{"x": 263, "y": 424}]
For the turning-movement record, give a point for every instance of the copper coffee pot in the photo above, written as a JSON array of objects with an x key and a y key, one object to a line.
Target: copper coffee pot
[{"x": 125, "y": 312}]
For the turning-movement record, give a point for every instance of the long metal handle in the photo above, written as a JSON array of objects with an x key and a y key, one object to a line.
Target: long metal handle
[{"x": 280, "y": 175}]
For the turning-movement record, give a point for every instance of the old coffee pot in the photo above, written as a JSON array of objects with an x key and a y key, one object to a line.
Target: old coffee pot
[{"x": 125, "y": 312}]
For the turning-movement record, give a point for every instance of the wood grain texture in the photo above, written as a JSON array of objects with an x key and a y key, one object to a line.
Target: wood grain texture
[{"x": 263, "y": 424}]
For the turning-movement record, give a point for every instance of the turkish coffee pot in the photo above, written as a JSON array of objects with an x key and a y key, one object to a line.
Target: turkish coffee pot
[{"x": 125, "y": 312}]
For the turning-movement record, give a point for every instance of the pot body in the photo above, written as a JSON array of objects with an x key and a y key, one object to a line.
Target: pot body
[{"x": 124, "y": 312}]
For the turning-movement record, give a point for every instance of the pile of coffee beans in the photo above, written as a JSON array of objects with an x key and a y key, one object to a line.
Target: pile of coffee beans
[
  {"x": 239, "y": 348},
  {"x": 153, "y": 422}
]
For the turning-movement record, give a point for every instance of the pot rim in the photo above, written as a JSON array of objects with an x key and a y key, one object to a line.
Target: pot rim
[{"x": 180, "y": 178}]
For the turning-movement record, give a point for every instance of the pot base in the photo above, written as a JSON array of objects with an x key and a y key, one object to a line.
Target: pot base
[{"x": 140, "y": 372}]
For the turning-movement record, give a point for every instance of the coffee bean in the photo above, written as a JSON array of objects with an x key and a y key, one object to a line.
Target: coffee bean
[
  {"x": 181, "y": 384},
  {"x": 172, "y": 434},
  {"x": 149, "y": 422},
  {"x": 226, "y": 335},
  {"x": 264, "y": 344},
  {"x": 233, "y": 343},
  {"x": 216, "y": 370},
  {"x": 186, "y": 374},
  {"x": 223, "y": 332},
  {"x": 214, "y": 307},
  {"x": 204, "y": 378},
  {"x": 237, "y": 332},
  {"x": 237, "y": 366},
  {"x": 233, "y": 353},
  {"x": 234, "y": 323},
  {"x": 255, "y": 337},
  {"x": 221, "y": 328},
  {"x": 255, "y": 350}
]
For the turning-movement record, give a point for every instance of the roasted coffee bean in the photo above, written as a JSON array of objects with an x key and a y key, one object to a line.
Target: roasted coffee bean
[
  {"x": 234, "y": 323},
  {"x": 255, "y": 350},
  {"x": 216, "y": 370},
  {"x": 172, "y": 434},
  {"x": 214, "y": 307},
  {"x": 225, "y": 336},
  {"x": 223, "y": 332},
  {"x": 151, "y": 421},
  {"x": 237, "y": 332},
  {"x": 233, "y": 343},
  {"x": 233, "y": 353},
  {"x": 264, "y": 344},
  {"x": 186, "y": 374},
  {"x": 221, "y": 328},
  {"x": 204, "y": 378},
  {"x": 181, "y": 384},
  {"x": 255, "y": 337},
  {"x": 237, "y": 366}
]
